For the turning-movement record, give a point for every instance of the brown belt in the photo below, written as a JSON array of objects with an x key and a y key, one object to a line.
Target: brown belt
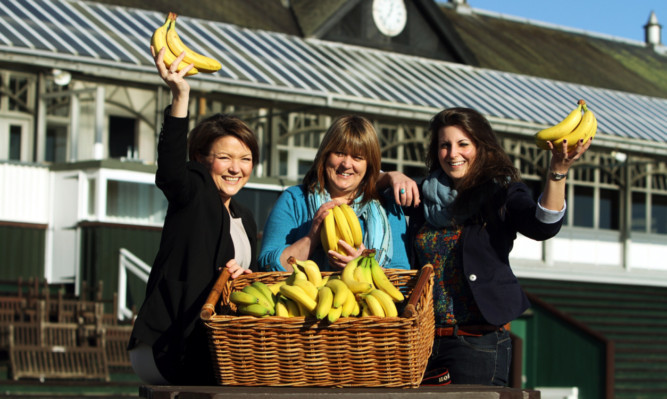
[{"x": 469, "y": 330}]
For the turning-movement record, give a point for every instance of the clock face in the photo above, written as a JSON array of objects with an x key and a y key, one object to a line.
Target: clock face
[{"x": 390, "y": 16}]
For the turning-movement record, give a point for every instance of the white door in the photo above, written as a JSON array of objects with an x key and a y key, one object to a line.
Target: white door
[{"x": 64, "y": 246}]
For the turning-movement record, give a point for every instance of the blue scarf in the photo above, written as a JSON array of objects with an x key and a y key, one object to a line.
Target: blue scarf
[
  {"x": 378, "y": 232},
  {"x": 438, "y": 196}
]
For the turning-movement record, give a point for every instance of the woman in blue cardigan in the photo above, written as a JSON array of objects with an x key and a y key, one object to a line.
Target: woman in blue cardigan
[
  {"x": 473, "y": 204},
  {"x": 345, "y": 170}
]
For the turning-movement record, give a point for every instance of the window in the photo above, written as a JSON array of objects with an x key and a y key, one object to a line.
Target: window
[
  {"x": 659, "y": 214},
  {"x": 583, "y": 206},
  {"x": 56, "y": 144},
  {"x": 609, "y": 209},
  {"x": 122, "y": 137},
  {"x": 639, "y": 212},
  {"x": 132, "y": 201},
  {"x": 15, "y": 133}
]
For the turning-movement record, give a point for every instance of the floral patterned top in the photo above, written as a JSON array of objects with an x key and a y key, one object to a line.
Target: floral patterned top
[{"x": 453, "y": 302}]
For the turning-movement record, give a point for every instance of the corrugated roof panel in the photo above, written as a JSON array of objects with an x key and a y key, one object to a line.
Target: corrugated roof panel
[
  {"x": 229, "y": 53},
  {"x": 23, "y": 27},
  {"x": 318, "y": 66},
  {"x": 114, "y": 36},
  {"x": 130, "y": 27},
  {"x": 95, "y": 37},
  {"x": 339, "y": 66}
]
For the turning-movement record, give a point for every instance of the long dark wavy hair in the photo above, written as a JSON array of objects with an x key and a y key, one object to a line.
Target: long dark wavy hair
[{"x": 492, "y": 166}]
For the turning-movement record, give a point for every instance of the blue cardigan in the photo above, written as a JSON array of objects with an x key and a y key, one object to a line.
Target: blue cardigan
[{"x": 289, "y": 222}]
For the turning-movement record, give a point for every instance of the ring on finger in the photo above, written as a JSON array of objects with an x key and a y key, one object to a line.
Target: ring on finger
[{"x": 402, "y": 191}]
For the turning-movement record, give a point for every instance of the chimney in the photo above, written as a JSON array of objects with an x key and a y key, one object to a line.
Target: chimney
[
  {"x": 461, "y": 6},
  {"x": 653, "y": 31}
]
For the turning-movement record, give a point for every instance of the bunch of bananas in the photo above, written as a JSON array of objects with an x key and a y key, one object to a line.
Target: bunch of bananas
[
  {"x": 362, "y": 288},
  {"x": 167, "y": 36},
  {"x": 574, "y": 127},
  {"x": 341, "y": 224},
  {"x": 256, "y": 299},
  {"x": 377, "y": 294}
]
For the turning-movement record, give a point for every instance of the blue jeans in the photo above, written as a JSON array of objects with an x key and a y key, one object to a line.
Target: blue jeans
[{"x": 483, "y": 360}]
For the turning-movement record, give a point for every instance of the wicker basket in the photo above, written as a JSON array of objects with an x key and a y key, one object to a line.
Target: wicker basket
[{"x": 297, "y": 351}]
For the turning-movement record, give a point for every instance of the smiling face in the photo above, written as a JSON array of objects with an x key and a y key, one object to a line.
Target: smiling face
[
  {"x": 456, "y": 152},
  {"x": 344, "y": 172},
  {"x": 230, "y": 164}
]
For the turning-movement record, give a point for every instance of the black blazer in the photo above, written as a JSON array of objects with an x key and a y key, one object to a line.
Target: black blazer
[
  {"x": 487, "y": 242},
  {"x": 195, "y": 243}
]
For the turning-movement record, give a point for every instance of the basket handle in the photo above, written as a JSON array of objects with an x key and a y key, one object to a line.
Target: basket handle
[
  {"x": 208, "y": 310},
  {"x": 424, "y": 276}
]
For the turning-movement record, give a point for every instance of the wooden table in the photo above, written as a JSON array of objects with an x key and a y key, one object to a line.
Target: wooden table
[{"x": 229, "y": 392}]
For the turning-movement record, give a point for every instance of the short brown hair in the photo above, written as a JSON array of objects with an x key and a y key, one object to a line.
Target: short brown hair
[{"x": 207, "y": 131}]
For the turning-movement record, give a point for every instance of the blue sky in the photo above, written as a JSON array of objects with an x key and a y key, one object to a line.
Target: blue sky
[{"x": 621, "y": 18}]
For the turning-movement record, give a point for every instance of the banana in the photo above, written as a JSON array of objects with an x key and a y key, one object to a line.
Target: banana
[
  {"x": 594, "y": 128},
  {"x": 281, "y": 308},
  {"x": 176, "y": 45},
  {"x": 356, "y": 309},
  {"x": 275, "y": 287},
  {"x": 348, "y": 306},
  {"x": 297, "y": 274},
  {"x": 334, "y": 314},
  {"x": 312, "y": 271},
  {"x": 262, "y": 299},
  {"x": 340, "y": 291},
  {"x": 383, "y": 283},
  {"x": 365, "y": 311},
  {"x": 308, "y": 287},
  {"x": 347, "y": 275},
  {"x": 292, "y": 307},
  {"x": 254, "y": 310},
  {"x": 298, "y": 295},
  {"x": 266, "y": 291},
  {"x": 342, "y": 226},
  {"x": 353, "y": 222},
  {"x": 582, "y": 131},
  {"x": 241, "y": 298},
  {"x": 359, "y": 275},
  {"x": 561, "y": 129},
  {"x": 324, "y": 302},
  {"x": 365, "y": 266},
  {"x": 328, "y": 233},
  {"x": 374, "y": 306},
  {"x": 159, "y": 40},
  {"x": 386, "y": 302}
]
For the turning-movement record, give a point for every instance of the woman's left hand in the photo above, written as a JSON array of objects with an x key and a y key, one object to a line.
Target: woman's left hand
[
  {"x": 339, "y": 260},
  {"x": 562, "y": 159}
]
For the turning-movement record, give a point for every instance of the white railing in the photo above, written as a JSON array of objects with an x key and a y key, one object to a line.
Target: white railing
[{"x": 128, "y": 262}]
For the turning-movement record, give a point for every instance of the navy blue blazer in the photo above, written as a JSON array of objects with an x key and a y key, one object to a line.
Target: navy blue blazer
[{"x": 487, "y": 241}]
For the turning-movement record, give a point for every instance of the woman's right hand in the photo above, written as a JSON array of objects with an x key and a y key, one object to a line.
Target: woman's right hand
[
  {"x": 318, "y": 219},
  {"x": 175, "y": 79}
]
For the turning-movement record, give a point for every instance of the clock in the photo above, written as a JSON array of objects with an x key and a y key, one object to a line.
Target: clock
[{"x": 390, "y": 16}]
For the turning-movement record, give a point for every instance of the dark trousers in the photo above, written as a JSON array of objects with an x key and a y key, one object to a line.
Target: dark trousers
[{"x": 483, "y": 360}]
